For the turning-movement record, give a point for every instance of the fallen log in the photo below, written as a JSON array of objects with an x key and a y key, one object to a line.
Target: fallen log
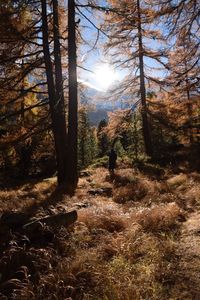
[
  {"x": 60, "y": 219},
  {"x": 13, "y": 219}
]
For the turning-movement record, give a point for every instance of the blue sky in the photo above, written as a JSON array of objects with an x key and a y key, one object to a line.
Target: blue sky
[{"x": 94, "y": 59}]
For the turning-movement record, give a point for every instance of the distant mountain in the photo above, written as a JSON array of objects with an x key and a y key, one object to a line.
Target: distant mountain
[
  {"x": 96, "y": 116},
  {"x": 95, "y": 98},
  {"x": 99, "y": 98}
]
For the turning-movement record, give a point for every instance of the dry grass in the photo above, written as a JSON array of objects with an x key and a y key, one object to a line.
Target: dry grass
[
  {"x": 113, "y": 252},
  {"x": 162, "y": 217},
  {"x": 177, "y": 180},
  {"x": 25, "y": 196},
  {"x": 105, "y": 217},
  {"x": 193, "y": 196},
  {"x": 99, "y": 178},
  {"x": 129, "y": 192},
  {"x": 124, "y": 177},
  {"x": 132, "y": 186}
]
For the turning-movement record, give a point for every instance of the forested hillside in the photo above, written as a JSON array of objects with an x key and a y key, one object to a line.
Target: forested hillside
[{"x": 100, "y": 149}]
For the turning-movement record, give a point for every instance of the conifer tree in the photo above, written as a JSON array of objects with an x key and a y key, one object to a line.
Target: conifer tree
[
  {"x": 21, "y": 107},
  {"x": 181, "y": 21},
  {"x": 103, "y": 142},
  {"x": 183, "y": 79},
  {"x": 32, "y": 30},
  {"x": 86, "y": 142},
  {"x": 131, "y": 33}
]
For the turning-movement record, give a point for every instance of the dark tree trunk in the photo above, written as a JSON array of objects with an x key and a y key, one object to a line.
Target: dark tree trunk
[
  {"x": 189, "y": 110},
  {"x": 135, "y": 137},
  {"x": 22, "y": 94},
  {"x": 56, "y": 103},
  {"x": 145, "y": 122},
  {"x": 57, "y": 60},
  {"x": 73, "y": 102},
  {"x": 189, "y": 104}
]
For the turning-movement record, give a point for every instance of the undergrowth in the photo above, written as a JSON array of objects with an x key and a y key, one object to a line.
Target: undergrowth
[{"x": 120, "y": 248}]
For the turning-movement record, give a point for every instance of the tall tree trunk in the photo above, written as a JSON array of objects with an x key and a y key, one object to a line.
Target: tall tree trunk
[
  {"x": 60, "y": 106},
  {"x": 145, "y": 122},
  {"x": 189, "y": 104},
  {"x": 22, "y": 94},
  {"x": 73, "y": 101},
  {"x": 189, "y": 110},
  {"x": 57, "y": 60},
  {"x": 56, "y": 104}
]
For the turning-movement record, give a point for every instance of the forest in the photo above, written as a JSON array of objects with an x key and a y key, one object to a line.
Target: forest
[{"x": 79, "y": 81}]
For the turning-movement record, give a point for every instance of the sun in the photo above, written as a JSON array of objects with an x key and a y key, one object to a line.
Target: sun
[{"x": 104, "y": 76}]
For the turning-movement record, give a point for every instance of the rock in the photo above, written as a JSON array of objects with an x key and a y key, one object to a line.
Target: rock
[
  {"x": 82, "y": 205},
  {"x": 84, "y": 174},
  {"x": 181, "y": 218},
  {"x": 89, "y": 180},
  {"x": 106, "y": 191}
]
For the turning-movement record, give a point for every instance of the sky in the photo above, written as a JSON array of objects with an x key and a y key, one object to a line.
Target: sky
[{"x": 101, "y": 73}]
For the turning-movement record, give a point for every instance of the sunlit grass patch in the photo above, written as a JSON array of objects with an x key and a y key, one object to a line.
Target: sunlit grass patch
[
  {"x": 177, "y": 180},
  {"x": 124, "y": 176},
  {"x": 193, "y": 195},
  {"x": 83, "y": 274},
  {"x": 114, "y": 251},
  {"x": 160, "y": 217},
  {"x": 129, "y": 192},
  {"x": 132, "y": 186},
  {"x": 26, "y": 195},
  {"x": 103, "y": 217}
]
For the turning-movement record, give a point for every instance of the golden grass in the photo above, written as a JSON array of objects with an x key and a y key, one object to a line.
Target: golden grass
[
  {"x": 131, "y": 186},
  {"x": 193, "y": 195},
  {"x": 177, "y": 180},
  {"x": 114, "y": 251},
  {"x": 160, "y": 217},
  {"x": 23, "y": 197},
  {"x": 105, "y": 217},
  {"x": 131, "y": 191}
]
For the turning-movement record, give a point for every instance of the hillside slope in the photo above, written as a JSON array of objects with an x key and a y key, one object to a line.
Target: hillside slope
[{"x": 135, "y": 238}]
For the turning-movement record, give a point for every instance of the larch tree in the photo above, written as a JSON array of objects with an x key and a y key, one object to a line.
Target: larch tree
[
  {"x": 182, "y": 27},
  {"x": 136, "y": 46},
  {"x": 87, "y": 144},
  {"x": 183, "y": 79},
  {"x": 21, "y": 105},
  {"x": 102, "y": 137},
  {"x": 35, "y": 66}
]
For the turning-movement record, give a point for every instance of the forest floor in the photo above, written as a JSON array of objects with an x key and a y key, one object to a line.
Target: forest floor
[{"x": 137, "y": 236}]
